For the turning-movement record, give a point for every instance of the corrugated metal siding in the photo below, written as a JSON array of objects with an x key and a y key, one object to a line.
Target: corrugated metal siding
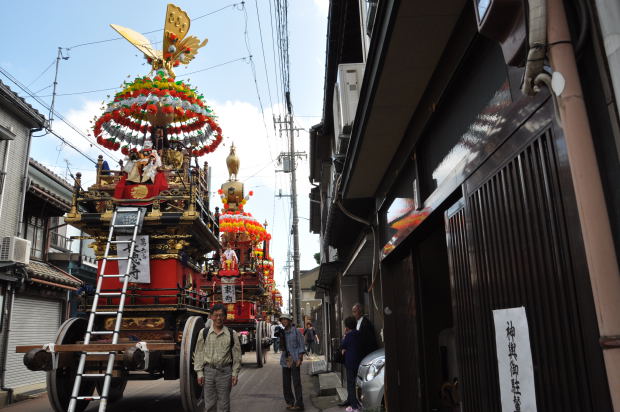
[
  {"x": 514, "y": 252},
  {"x": 18, "y": 156},
  {"x": 34, "y": 321}
]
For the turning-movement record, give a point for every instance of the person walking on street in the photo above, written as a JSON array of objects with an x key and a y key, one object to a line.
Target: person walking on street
[
  {"x": 311, "y": 337},
  {"x": 292, "y": 344},
  {"x": 217, "y": 361},
  {"x": 351, "y": 350},
  {"x": 276, "y": 328}
]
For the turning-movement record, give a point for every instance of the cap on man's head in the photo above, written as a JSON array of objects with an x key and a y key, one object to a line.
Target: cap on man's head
[{"x": 286, "y": 316}]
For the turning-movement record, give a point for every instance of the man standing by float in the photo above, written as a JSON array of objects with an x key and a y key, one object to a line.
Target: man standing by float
[
  {"x": 217, "y": 361},
  {"x": 292, "y": 345}
]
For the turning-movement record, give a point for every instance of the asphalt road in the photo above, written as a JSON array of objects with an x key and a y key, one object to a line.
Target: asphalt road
[{"x": 258, "y": 390}]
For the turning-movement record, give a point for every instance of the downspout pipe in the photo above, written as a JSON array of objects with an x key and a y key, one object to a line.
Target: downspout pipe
[
  {"x": 537, "y": 37},
  {"x": 25, "y": 184},
  {"x": 598, "y": 242},
  {"x": 5, "y": 162},
  {"x": 5, "y": 343}
]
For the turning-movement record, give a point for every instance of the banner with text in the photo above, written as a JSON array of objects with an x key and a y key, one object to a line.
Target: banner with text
[
  {"x": 514, "y": 360},
  {"x": 141, "y": 271}
]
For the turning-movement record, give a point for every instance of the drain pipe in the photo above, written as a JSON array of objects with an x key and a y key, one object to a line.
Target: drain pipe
[
  {"x": 5, "y": 343},
  {"x": 595, "y": 226}
]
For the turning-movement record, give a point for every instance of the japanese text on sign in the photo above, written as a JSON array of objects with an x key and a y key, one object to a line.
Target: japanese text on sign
[
  {"x": 140, "y": 271},
  {"x": 228, "y": 294},
  {"x": 514, "y": 360}
]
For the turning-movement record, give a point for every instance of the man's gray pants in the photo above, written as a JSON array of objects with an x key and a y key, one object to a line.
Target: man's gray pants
[
  {"x": 216, "y": 389},
  {"x": 288, "y": 374}
]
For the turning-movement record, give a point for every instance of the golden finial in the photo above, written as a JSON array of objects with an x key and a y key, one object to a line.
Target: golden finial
[
  {"x": 178, "y": 49},
  {"x": 232, "y": 162}
]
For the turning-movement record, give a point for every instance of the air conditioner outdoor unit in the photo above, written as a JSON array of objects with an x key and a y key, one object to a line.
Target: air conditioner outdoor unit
[
  {"x": 346, "y": 97},
  {"x": 15, "y": 249}
]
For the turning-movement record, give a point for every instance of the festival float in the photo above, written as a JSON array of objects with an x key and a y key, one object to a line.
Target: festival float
[
  {"x": 157, "y": 242},
  {"x": 244, "y": 278}
]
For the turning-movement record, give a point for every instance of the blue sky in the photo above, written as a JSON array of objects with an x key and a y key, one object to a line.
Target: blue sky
[{"x": 38, "y": 28}]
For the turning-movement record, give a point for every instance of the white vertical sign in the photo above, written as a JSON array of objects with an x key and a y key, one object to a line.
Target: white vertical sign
[
  {"x": 228, "y": 294},
  {"x": 514, "y": 360},
  {"x": 141, "y": 272}
]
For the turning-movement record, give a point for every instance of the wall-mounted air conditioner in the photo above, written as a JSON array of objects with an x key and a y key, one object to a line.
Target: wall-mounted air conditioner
[
  {"x": 15, "y": 249},
  {"x": 346, "y": 97}
]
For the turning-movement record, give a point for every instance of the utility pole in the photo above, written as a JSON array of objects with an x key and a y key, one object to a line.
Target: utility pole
[
  {"x": 58, "y": 57},
  {"x": 287, "y": 125}
]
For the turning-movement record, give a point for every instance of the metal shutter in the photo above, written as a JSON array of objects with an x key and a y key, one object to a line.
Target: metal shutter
[{"x": 33, "y": 322}]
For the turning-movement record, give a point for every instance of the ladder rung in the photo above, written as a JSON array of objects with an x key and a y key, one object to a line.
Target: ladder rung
[
  {"x": 115, "y": 226},
  {"x": 116, "y": 257},
  {"x": 93, "y": 375},
  {"x": 88, "y": 398},
  {"x": 109, "y": 312},
  {"x": 101, "y": 332},
  {"x": 110, "y": 293},
  {"x": 98, "y": 353},
  {"x": 116, "y": 242},
  {"x": 113, "y": 276}
]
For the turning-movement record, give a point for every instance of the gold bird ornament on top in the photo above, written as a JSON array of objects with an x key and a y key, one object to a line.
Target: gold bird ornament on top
[
  {"x": 232, "y": 162},
  {"x": 178, "y": 47}
]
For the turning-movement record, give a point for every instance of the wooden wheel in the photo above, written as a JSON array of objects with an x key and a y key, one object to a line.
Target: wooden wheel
[
  {"x": 60, "y": 381},
  {"x": 259, "y": 344},
  {"x": 191, "y": 392}
]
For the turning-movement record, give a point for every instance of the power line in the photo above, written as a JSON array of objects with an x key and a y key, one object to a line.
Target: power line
[
  {"x": 262, "y": 45},
  {"x": 116, "y": 88},
  {"x": 274, "y": 46},
  {"x": 253, "y": 69},
  {"x": 149, "y": 32},
  {"x": 58, "y": 115},
  {"x": 42, "y": 73}
]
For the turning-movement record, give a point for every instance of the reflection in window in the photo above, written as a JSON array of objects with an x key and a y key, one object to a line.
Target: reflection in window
[
  {"x": 483, "y": 6},
  {"x": 35, "y": 233}
]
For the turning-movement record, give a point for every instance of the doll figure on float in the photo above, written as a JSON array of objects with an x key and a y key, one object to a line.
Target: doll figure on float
[
  {"x": 229, "y": 258},
  {"x": 142, "y": 167},
  {"x": 143, "y": 178}
]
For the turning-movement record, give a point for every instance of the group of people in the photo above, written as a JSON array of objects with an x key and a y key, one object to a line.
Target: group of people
[
  {"x": 217, "y": 357},
  {"x": 359, "y": 340}
]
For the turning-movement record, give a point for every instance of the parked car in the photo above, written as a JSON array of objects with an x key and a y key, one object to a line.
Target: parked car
[{"x": 369, "y": 381}]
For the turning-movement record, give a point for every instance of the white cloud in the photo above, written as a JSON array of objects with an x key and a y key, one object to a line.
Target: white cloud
[{"x": 323, "y": 6}]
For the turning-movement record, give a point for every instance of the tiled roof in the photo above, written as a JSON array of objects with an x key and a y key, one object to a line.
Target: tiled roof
[
  {"x": 50, "y": 197},
  {"x": 51, "y": 174},
  {"x": 25, "y": 106},
  {"x": 50, "y": 273}
]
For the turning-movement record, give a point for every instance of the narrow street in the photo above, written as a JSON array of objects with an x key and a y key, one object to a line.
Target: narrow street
[{"x": 259, "y": 389}]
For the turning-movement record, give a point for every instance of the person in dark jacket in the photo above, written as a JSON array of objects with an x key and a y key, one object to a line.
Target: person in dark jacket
[
  {"x": 351, "y": 350},
  {"x": 366, "y": 330}
]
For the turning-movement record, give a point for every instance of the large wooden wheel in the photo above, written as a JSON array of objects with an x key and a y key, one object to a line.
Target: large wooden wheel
[
  {"x": 191, "y": 392},
  {"x": 60, "y": 381},
  {"x": 261, "y": 355}
]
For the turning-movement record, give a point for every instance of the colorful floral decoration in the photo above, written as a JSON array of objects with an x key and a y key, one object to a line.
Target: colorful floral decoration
[
  {"x": 146, "y": 103},
  {"x": 243, "y": 222}
]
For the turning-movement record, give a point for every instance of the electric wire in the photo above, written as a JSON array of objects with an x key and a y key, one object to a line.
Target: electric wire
[
  {"x": 253, "y": 70},
  {"x": 149, "y": 32},
  {"x": 274, "y": 47},
  {"x": 180, "y": 76},
  {"x": 42, "y": 73},
  {"x": 21, "y": 86},
  {"x": 262, "y": 45}
]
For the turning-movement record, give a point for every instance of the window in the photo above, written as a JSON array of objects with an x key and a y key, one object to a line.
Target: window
[{"x": 35, "y": 233}]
